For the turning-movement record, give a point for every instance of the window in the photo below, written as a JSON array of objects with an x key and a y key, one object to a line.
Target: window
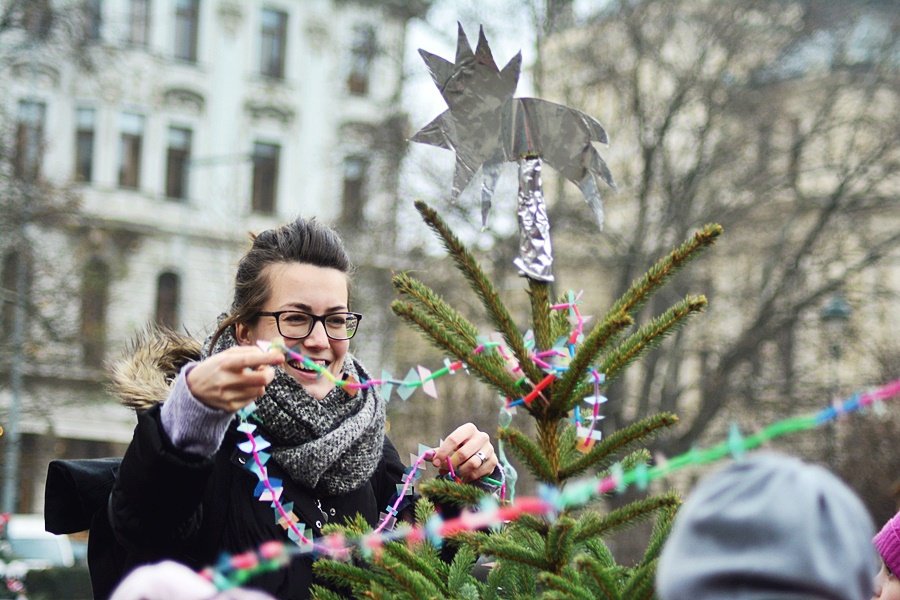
[
  {"x": 93, "y": 19},
  {"x": 84, "y": 144},
  {"x": 273, "y": 42},
  {"x": 353, "y": 196},
  {"x": 29, "y": 140},
  {"x": 265, "y": 177},
  {"x": 362, "y": 52},
  {"x": 132, "y": 138},
  {"x": 139, "y": 22},
  {"x": 178, "y": 162},
  {"x": 9, "y": 293},
  {"x": 187, "y": 16},
  {"x": 94, "y": 299},
  {"x": 37, "y": 18},
  {"x": 168, "y": 297}
]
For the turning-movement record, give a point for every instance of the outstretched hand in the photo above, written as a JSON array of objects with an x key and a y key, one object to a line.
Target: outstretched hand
[
  {"x": 470, "y": 452},
  {"x": 232, "y": 379}
]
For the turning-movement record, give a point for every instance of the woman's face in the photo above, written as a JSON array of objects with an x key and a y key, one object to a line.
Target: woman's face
[
  {"x": 311, "y": 289},
  {"x": 887, "y": 586}
]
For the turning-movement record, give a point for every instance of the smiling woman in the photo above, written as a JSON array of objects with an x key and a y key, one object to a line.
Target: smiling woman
[
  {"x": 184, "y": 493},
  {"x": 305, "y": 287}
]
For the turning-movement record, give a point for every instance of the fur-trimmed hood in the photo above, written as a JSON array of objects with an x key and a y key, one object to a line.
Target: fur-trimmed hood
[{"x": 141, "y": 379}]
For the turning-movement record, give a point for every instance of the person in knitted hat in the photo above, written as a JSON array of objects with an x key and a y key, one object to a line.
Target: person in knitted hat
[
  {"x": 771, "y": 527},
  {"x": 168, "y": 579},
  {"x": 887, "y": 542}
]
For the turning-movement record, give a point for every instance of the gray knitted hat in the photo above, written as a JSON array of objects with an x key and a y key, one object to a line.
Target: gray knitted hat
[{"x": 769, "y": 527}]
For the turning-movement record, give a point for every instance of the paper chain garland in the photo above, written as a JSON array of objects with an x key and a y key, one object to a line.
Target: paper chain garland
[
  {"x": 552, "y": 361},
  {"x": 270, "y": 489},
  {"x": 559, "y": 357},
  {"x": 232, "y": 571}
]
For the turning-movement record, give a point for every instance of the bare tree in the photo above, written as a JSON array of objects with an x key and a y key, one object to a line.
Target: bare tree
[
  {"x": 35, "y": 36},
  {"x": 780, "y": 121}
]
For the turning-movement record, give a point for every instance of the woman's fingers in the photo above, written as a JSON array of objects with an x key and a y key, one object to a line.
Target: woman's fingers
[
  {"x": 469, "y": 451},
  {"x": 450, "y": 443},
  {"x": 480, "y": 463},
  {"x": 242, "y": 358},
  {"x": 234, "y": 378}
]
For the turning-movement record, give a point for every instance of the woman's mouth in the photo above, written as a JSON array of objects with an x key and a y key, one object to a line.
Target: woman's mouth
[{"x": 305, "y": 367}]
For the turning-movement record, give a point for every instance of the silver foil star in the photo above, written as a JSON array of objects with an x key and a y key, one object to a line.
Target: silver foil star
[{"x": 486, "y": 126}]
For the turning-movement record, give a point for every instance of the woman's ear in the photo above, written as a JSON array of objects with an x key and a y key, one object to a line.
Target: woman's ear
[{"x": 242, "y": 334}]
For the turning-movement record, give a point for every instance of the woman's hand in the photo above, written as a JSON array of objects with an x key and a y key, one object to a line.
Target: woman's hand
[
  {"x": 232, "y": 379},
  {"x": 470, "y": 452}
]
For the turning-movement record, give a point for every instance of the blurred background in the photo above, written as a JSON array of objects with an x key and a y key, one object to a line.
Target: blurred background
[{"x": 142, "y": 140}]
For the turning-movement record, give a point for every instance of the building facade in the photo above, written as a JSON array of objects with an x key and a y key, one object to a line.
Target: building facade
[{"x": 179, "y": 126}]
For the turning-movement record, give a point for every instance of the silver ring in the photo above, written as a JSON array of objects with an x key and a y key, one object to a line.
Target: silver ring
[{"x": 481, "y": 456}]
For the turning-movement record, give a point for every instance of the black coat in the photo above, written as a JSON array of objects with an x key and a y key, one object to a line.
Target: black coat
[{"x": 169, "y": 504}]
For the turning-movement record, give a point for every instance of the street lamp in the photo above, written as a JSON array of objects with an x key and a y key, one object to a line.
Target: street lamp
[{"x": 834, "y": 316}]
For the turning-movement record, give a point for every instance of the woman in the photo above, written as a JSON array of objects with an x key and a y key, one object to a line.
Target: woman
[
  {"x": 887, "y": 543},
  {"x": 183, "y": 492}
]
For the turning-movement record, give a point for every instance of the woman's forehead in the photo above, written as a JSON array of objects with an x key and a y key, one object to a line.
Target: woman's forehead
[{"x": 302, "y": 283}]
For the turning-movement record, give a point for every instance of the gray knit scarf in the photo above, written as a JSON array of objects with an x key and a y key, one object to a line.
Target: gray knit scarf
[{"x": 330, "y": 445}]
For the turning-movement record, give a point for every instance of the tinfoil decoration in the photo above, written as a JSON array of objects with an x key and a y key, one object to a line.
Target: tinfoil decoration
[
  {"x": 535, "y": 258},
  {"x": 486, "y": 127}
]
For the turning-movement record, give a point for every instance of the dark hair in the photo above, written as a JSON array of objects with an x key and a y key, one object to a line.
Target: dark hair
[{"x": 302, "y": 241}]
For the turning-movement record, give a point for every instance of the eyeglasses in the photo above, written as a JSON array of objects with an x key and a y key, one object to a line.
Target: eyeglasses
[{"x": 296, "y": 324}]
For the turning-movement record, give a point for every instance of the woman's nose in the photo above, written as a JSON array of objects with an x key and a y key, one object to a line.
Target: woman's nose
[
  {"x": 879, "y": 584},
  {"x": 317, "y": 338}
]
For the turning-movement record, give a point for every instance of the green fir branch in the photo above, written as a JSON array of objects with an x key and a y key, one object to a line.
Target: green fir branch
[
  {"x": 618, "y": 443},
  {"x": 595, "y": 525},
  {"x": 530, "y": 453},
  {"x": 346, "y": 575},
  {"x": 530, "y": 522},
  {"x": 423, "y": 559},
  {"x": 630, "y": 462},
  {"x": 352, "y": 527},
  {"x": 568, "y": 443},
  {"x": 472, "y": 539},
  {"x": 510, "y": 580},
  {"x": 641, "y": 290},
  {"x": 593, "y": 344},
  {"x": 380, "y": 592},
  {"x": 560, "y": 326},
  {"x": 664, "y": 520},
  {"x": 411, "y": 582},
  {"x": 597, "y": 550},
  {"x": 539, "y": 292},
  {"x": 323, "y": 593},
  {"x": 460, "y": 570},
  {"x": 423, "y": 510},
  {"x": 483, "y": 287},
  {"x": 560, "y": 542},
  {"x": 566, "y": 585},
  {"x": 641, "y": 584},
  {"x": 485, "y": 365},
  {"x": 606, "y": 581},
  {"x": 510, "y": 550},
  {"x": 428, "y": 299},
  {"x": 442, "y": 491},
  {"x": 647, "y": 337}
]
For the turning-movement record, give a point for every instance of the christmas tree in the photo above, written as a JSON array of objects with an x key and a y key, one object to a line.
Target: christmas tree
[{"x": 553, "y": 369}]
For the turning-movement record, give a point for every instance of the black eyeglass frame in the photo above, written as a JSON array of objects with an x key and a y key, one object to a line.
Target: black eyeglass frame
[{"x": 315, "y": 319}]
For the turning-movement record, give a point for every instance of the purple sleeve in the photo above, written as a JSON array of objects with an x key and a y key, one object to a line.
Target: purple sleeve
[{"x": 191, "y": 425}]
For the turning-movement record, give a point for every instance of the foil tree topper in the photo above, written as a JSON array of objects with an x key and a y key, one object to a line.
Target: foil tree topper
[{"x": 486, "y": 126}]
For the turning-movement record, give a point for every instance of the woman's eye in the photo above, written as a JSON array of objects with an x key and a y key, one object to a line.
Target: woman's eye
[
  {"x": 295, "y": 318},
  {"x": 336, "y": 320}
]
